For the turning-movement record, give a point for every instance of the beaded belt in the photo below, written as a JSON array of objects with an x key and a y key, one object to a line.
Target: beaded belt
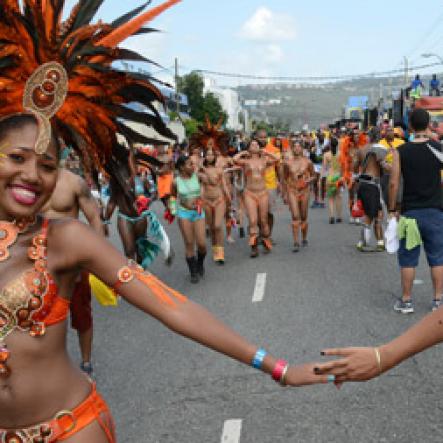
[{"x": 48, "y": 432}]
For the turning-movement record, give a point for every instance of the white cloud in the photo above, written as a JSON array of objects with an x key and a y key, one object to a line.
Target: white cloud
[
  {"x": 266, "y": 25},
  {"x": 273, "y": 53}
]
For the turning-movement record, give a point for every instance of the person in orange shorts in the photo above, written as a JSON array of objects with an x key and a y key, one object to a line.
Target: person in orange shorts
[{"x": 165, "y": 177}]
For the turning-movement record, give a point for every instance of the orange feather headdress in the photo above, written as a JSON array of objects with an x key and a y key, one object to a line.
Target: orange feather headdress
[
  {"x": 210, "y": 137},
  {"x": 63, "y": 73}
]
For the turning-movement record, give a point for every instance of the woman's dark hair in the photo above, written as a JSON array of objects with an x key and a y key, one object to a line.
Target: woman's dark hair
[
  {"x": 18, "y": 121},
  {"x": 15, "y": 122},
  {"x": 419, "y": 119},
  {"x": 252, "y": 141},
  {"x": 181, "y": 162}
]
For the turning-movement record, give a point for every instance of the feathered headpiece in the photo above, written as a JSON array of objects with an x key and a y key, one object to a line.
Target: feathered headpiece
[
  {"x": 62, "y": 72},
  {"x": 210, "y": 137}
]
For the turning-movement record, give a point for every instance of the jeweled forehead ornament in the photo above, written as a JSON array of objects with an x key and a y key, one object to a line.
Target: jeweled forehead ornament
[{"x": 45, "y": 93}]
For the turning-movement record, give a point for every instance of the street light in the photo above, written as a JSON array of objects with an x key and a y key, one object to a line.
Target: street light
[{"x": 428, "y": 55}]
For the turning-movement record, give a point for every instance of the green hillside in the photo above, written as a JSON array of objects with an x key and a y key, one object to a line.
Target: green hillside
[{"x": 314, "y": 104}]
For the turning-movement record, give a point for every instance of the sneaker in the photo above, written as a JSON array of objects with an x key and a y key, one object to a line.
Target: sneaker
[
  {"x": 360, "y": 245},
  {"x": 314, "y": 205},
  {"x": 405, "y": 307},
  {"x": 296, "y": 247},
  {"x": 331, "y": 220},
  {"x": 304, "y": 243},
  {"x": 357, "y": 221},
  {"x": 351, "y": 220},
  {"x": 321, "y": 205},
  {"x": 87, "y": 368},
  {"x": 436, "y": 304},
  {"x": 254, "y": 252},
  {"x": 338, "y": 220},
  {"x": 241, "y": 232},
  {"x": 380, "y": 245}
]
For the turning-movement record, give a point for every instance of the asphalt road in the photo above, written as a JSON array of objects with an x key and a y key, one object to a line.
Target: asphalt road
[{"x": 164, "y": 388}]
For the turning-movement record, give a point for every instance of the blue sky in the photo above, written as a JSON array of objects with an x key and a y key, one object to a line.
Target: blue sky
[{"x": 284, "y": 37}]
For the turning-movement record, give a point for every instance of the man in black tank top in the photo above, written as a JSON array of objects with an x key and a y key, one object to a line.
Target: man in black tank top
[{"x": 421, "y": 206}]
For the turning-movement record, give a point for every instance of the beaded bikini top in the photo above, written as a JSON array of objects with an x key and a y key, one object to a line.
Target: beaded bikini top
[{"x": 30, "y": 302}]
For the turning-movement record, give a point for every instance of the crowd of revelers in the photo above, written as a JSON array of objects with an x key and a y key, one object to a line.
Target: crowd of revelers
[
  {"x": 212, "y": 184},
  {"x": 59, "y": 87}
]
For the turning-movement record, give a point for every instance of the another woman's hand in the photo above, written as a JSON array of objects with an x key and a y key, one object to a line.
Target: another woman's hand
[
  {"x": 356, "y": 364},
  {"x": 303, "y": 375}
]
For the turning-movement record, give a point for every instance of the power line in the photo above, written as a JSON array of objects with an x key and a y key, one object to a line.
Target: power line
[
  {"x": 314, "y": 78},
  {"x": 428, "y": 33}
]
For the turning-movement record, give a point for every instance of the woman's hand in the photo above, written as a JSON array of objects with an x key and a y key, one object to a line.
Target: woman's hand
[
  {"x": 356, "y": 364},
  {"x": 303, "y": 375}
]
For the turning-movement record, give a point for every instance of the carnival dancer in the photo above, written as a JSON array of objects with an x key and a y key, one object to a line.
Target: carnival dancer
[
  {"x": 72, "y": 195},
  {"x": 49, "y": 400},
  {"x": 334, "y": 183},
  {"x": 348, "y": 153},
  {"x": 187, "y": 205},
  {"x": 298, "y": 174},
  {"x": 254, "y": 163},
  {"x": 196, "y": 157},
  {"x": 226, "y": 162},
  {"x": 216, "y": 197}
]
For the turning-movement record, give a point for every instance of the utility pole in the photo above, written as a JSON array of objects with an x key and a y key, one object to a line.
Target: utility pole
[{"x": 177, "y": 98}]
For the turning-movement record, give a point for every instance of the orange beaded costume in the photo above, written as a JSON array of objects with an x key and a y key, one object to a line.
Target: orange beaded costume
[
  {"x": 63, "y": 73},
  {"x": 30, "y": 302}
]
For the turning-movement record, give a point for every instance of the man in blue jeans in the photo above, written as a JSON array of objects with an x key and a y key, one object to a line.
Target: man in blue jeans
[{"x": 421, "y": 208}]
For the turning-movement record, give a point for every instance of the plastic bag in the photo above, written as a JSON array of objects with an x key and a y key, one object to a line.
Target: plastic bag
[{"x": 391, "y": 237}]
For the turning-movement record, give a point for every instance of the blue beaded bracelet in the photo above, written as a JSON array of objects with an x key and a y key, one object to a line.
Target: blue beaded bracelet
[{"x": 258, "y": 358}]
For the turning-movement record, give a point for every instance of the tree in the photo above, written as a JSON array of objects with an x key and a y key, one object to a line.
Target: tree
[
  {"x": 213, "y": 109},
  {"x": 191, "y": 126},
  {"x": 192, "y": 86},
  {"x": 200, "y": 104}
]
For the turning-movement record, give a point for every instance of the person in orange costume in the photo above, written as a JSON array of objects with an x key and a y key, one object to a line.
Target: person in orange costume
[{"x": 254, "y": 163}]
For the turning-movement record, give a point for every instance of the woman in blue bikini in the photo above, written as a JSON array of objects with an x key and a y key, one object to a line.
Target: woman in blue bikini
[{"x": 191, "y": 216}]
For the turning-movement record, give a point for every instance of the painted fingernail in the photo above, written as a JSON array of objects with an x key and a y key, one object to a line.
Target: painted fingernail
[
  {"x": 316, "y": 370},
  {"x": 331, "y": 378},
  {"x": 322, "y": 353}
]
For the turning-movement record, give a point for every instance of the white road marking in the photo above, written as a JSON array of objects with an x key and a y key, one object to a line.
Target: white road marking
[
  {"x": 231, "y": 431},
  {"x": 260, "y": 286},
  {"x": 418, "y": 282}
]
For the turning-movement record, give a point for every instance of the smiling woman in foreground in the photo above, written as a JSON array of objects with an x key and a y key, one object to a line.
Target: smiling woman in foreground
[{"x": 58, "y": 82}]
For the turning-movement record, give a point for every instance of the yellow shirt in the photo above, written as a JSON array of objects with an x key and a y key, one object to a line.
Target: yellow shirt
[
  {"x": 394, "y": 144},
  {"x": 271, "y": 173}
]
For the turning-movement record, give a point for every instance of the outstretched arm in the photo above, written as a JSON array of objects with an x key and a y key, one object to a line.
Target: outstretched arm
[
  {"x": 360, "y": 364},
  {"x": 182, "y": 316}
]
